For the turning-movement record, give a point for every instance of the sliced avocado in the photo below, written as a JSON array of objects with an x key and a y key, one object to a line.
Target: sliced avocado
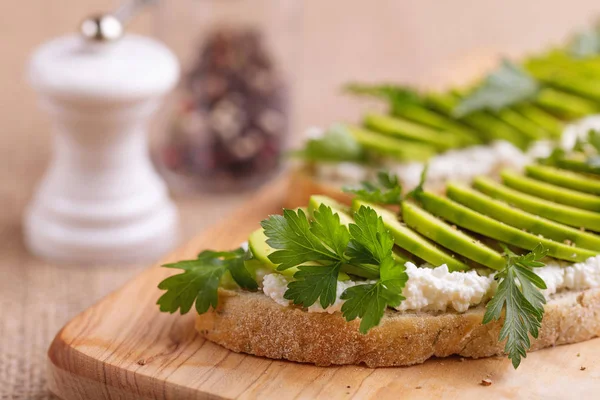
[
  {"x": 564, "y": 178},
  {"x": 492, "y": 127},
  {"x": 547, "y": 121},
  {"x": 556, "y": 212},
  {"x": 392, "y": 147},
  {"x": 450, "y": 238},
  {"x": 565, "y": 105},
  {"x": 432, "y": 119},
  {"x": 408, "y": 130},
  {"x": 484, "y": 225},
  {"x": 257, "y": 242},
  {"x": 550, "y": 192},
  {"x": 578, "y": 166},
  {"x": 340, "y": 209},
  {"x": 521, "y": 219},
  {"x": 519, "y": 122},
  {"x": 411, "y": 241}
]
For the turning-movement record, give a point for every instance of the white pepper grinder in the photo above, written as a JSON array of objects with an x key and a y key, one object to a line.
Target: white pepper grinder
[{"x": 101, "y": 200}]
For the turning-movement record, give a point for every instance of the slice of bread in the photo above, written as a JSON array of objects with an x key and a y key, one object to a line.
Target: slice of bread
[{"x": 253, "y": 323}]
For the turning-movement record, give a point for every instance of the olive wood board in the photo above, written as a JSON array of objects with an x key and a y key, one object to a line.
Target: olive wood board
[{"x": 124, "y": 348}]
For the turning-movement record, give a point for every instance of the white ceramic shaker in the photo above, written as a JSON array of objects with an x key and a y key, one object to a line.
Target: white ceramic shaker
[{"x": 101, "y": 200}]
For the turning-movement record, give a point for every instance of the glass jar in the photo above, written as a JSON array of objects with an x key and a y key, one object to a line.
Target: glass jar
[{"x": 231, "y": 115}]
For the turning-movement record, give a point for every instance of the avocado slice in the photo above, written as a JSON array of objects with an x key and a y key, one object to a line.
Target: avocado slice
[
  {"x": 257, "y": 242},
  {"x": 552, "y": 125},
  {"x": 565, "y": 105},
  {"x": 492, "y": 127},
  {"x": 578, "y": 166},
  {"x": 340, "y": 209},
  {"x": 550, "y": 192},
  {"x": 564, "y": 178},
  {"x": 520, "y": 123},
  {"x": 432, "y": 119},
  {"x": 411, "y": 241},
  {"x": 521, "y": 219},
  {"x": 450, "y": 238},
  {"x": 556, "y": 212},
  {"x": 404, "y": 129},
  {"x": 484, "y": 225},
  {"x": 392, "y": 147}
]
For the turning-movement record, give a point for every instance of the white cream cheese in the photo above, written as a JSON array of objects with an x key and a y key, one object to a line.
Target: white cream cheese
[
  {"x": 459, "y": 164},
  {"x": 579, "y": 130},
  {"x": 437, "y": 289},
  {"x": 463, "y": 164},
  {"x": 559, "y": 275}
]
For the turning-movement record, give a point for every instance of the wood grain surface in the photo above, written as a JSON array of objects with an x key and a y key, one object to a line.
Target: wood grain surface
[{"x": 124, "y": 348}]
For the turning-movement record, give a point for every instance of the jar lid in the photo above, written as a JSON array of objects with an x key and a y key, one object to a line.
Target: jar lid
[{"x": 131, "y": 68}]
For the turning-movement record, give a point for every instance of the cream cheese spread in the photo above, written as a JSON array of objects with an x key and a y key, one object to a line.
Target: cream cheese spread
[
  {"x": 460, "y": 165},
  {"x": 438, "y": 289}
]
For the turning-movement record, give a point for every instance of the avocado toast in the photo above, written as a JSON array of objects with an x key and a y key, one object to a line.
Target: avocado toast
[{"x": 394, "y": 279}]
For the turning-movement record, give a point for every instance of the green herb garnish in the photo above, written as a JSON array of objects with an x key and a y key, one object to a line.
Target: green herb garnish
[
  {"x": 328, "y": 246},
  {"x": 336, "y": 145},
  {"x": 386, "y": 190},
  {"x": 507, "y": 85},
  {"x": 519, "y": 295},
  {"x": 200, "y": 280}
]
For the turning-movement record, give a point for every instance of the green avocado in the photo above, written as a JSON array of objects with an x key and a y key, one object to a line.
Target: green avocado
[
  {"x": 257, "y": 242},
  {"x": 491, "y": 126},
  {"x": 551, "y": 192},
  {"x": 552, "y": 125},
  {"x": 556, "y": 212},
  {"x": 408, "y": 130},
  {"x": 392, "y": 147},
  {"x": 565, "y": 105},
  {"x": 521, "y": 219},
  {"x": 340, "y": 209},
  {"x": 434, "y": 120},
  {"x": 578, "y": 165},
  {"x": 520, "y": 123},
  {"x": 484, "y": 225},
  {"x": 564, "y": 178},
  {"x": 450, "y": 238},
  {"x": 411, "y": 241}
]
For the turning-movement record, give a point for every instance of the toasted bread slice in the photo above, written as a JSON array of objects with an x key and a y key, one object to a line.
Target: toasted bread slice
[{"x": 253, "y": 323}]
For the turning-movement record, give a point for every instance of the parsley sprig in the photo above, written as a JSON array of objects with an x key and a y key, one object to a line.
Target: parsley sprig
[
  {"x": 321, "y": 248},
  {"x": 335, "y": 145},
  {"x": 386, "y": 190},
  {"x": 507, "y": 85},
  {"x": 519, "y": 295},
  {"x": 200, "y": 280}
]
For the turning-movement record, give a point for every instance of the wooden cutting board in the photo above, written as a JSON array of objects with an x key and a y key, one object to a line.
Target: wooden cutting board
[{"x": 124, "y": 348}]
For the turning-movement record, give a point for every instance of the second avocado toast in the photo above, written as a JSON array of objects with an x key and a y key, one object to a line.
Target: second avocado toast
[{"x": 395, "y": 279}]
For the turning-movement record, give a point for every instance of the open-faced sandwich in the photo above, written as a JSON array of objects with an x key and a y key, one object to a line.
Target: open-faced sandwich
[
  {"x": 499, "y": 266},
  {"x": 506, "y": 120}
]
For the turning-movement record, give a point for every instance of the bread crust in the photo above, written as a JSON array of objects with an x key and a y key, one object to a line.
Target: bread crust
[{"x": 253, "y": 323}]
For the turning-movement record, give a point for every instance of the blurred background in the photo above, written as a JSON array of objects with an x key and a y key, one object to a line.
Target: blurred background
[{"x": 323, "y": 45}]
